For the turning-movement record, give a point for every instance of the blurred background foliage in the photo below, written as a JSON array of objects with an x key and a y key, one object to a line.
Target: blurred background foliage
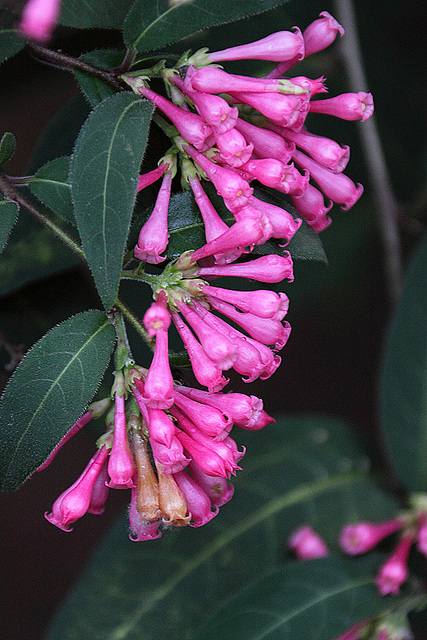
[{"x": 339, "y": 314}]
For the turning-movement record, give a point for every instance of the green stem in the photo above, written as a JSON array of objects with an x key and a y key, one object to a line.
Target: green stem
[
  {"x": 11, "y": 193},
  {"x": 134, "y": 321},
  {"x": 142, "y": 277},
  {"x": 123, "y": 355}
]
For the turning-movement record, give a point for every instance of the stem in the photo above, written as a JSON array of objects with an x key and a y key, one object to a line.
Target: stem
[
  {"x": 62, "y": 61},
  {"x": 142, "y": 277},
  {"x": 11, "y": 193},
  {"x": 134, "y": 321},
  {"x": 387, "y": 206}
]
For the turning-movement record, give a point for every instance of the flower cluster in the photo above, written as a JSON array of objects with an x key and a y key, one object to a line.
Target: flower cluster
[{"x": 170, "y": 444}]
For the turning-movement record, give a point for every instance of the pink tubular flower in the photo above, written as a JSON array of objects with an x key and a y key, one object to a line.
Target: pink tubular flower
[
  {"x": 198, "y": 503},
  {"x": 216, "y": 488},
  {"x": 243, "y": 410},
  {"x": 321, "y": 33},
  {"x": 228, "y": 183},
  {"x": 271, "y": 268},
  {"x": 75, "y": 501},
  {"x": 244, "y": 233},
  {"x": 214, "y": 80},
  {"x": 153, "y": 237},
  {"x": 233, "y": 148},
  {"x": 141, "y": 530},
  {"x": 262, "y": 302},
  {"x": 307, "y": 544},
  {"x": 336, "y": 186},
  {"x": 282, "y": 223},
  {"x": 209, "y": 420},
  {"x": 269, "y": 171},
  {"x": 39, "y": 18},
  {"x": 326, "y": 152},
  {"x": 364, "y": 536},
  {"x": 348, "y": 106},
  {"x": 158, "y": 385},
  {"x": 311, "y": 206},
  {"x": 282, "y": 45},
  {"x": 190, "y": 125},
  {"x": 120, "y": 464},
  {"x": 100, "y": 491},
  {"x": 207, "y": 459},
  {"x": 266, "y": 143},
  {"x": 152, "y": 176},
  {"x": 206, "y": 372},
  {"x": 171, "y": 458},
  {"x": 286, "y": 110},
  {"x": 394, "y": 571},
  {"x": 157, "y": 317},
  {"x": 265, "y": 330}
]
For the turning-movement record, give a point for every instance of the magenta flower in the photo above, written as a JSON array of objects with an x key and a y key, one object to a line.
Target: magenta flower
[
  {"x": 364, "y": 536},
  {"x": 214, "y": 80},
  {"x": 326, "y": 152},
  {"x": 171, "y": 458},
  {"x": 153, "y": 237},
  {"x": 262, "y": 302},
  {"x": 348, "y": 106},
  {"x": 244, "y": 233},
  {"x": 336, "y": 186},
  {"x": 233, "y": 148},
  {"x": 75, "y": 501},
  {"x": 208, "y": 460},
  {"x": 209, "y": 420},
  {"x": 394, "y": 571},
  {"x": 321, "y": 33},
  {"x": 158, "y": 385},
  {"x": 286, "y": 110},
  {"x": 282, "y": 45},
  {"x": 198, "y": 503},
  {"x": 266, "y": 143},
  {"x": 100, "y": 491},
  {"x": 120, "y": 463},
  {"x": 307, "y": 544},
  {"x": 140, "y": 529},
  {"x": 190, "y": 125},
  {"x": 39, "y": 18},
  {"x": 311, "y": 206},
  {"x": 283, "y": 224},
  {"x": 271, "y": 268},
  {"x": 146, "y": 179},
  {"x": 216, "y": 488}
]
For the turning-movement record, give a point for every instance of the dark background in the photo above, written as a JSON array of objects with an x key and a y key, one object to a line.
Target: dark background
[{"x": 339, "y": 314}]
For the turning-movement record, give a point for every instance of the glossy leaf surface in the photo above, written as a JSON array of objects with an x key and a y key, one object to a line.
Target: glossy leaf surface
[
  {"x": 151, "y": 25},
  {"x": 49, "y": 391},
  {"x": 104, "y": 177},
  {"x": 297, "y": 471},
  {"x": 51, "y": 185},
  {"x": 404, "y": 379}
]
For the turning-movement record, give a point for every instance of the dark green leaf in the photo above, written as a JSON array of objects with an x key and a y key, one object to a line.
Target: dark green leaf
[
  {"x": 10, "y": 43},
  {"x": 107, "y": 14},
  {"x": 7, "y": 147},
  {"x": 305, "y": 600},
  {"x": 94, "y": 89},
  {"x": 297, "y": 471},
  {"x": 49, "y": 391},
  {"x": 104, "y": 177},
  {"x": 404, "y": 379},
  {"x": 50, "y": 184},
  {"x": 151, "y": 25},
  {"x": 8, "y": 215}
]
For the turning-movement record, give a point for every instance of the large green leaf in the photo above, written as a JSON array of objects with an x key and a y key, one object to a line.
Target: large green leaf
[
  {"x": 151, "y": 25},
  {"x": 404, "y": 379},
  {"x": 305, "y": 600},
  {"x": 104, "y": 177},
  {"x": 10, "y": 43},
  {"x": 297, "y": 471},
  {"x": 51, "y": 185},
  {"x": 186, "y": 229},
  {"x": 107, "y": 14},
  {"x": 8, "y": 215},
  {"x": 95, "y": 89},
  {"x": 49, "y": 391}
]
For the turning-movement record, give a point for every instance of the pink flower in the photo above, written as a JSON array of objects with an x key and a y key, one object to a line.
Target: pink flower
[
  {"x": 271, "y": 268},
  {"x": 244, "y": 233},
  {"x": 214, "y": 80},
  {"x": 39, "y": 18},
  {"x": 209, "y": 420},
  {"x": 171, "y": 458},
  {"x": 208, "y": 460},
  {"x": 336, "y": 186},
  {"x": 348, "y": 106},
  {"x": 364, "y": 536},
  {"x": 286, "y": 110},
  {"x": 216, "y": 488},
  {"x": 152, "y": 176},
  {"x": 157, "y": 317},
  {"x": 153, "y": 237},
  {"x": 307, "y": 544},
  {"x": 120, "y": 463},
  {"x": 283, "y": 224},
  {"x": 394, "y": 571},
  {"x": 74, "y": 502},
  {"x": 233, "y": 148},
  {"x": 140, "y": 529},
  {"x": 198, "y": 503},
  {"x": 100, "y": 491},
  {"x": 325, "y": 151},
  {"x": 282, "y": 45},
  {"x": 190, "y": 125},
  {"x": 321, "y": 33},
  {"x": 311, "y": 206},
  {"x": 158, "y": 385},
  {"x": 267, "y": 144},
  {"x": 262, "y": 302}
]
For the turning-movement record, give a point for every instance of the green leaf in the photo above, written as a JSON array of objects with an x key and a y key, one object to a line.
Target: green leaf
[
  {"x": 106, "y": 14},
  {"x": 317, "y": 599},
  {"x": 186, "y": 228},
  {"x": 49, "y": 391},
  {"x": 95, "y": 89},
  {"x": 11, "y": 42},
  {"x": 7, "y": 147},
  {"x": 151, "y": 25},
  {"x": 404, "y": 379},
  {"x": 104, "y": 178},
  {"x": 8, "y": 215},
  {"x": 299, "y": 470},
  {"x": 50, "y": 185}
]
